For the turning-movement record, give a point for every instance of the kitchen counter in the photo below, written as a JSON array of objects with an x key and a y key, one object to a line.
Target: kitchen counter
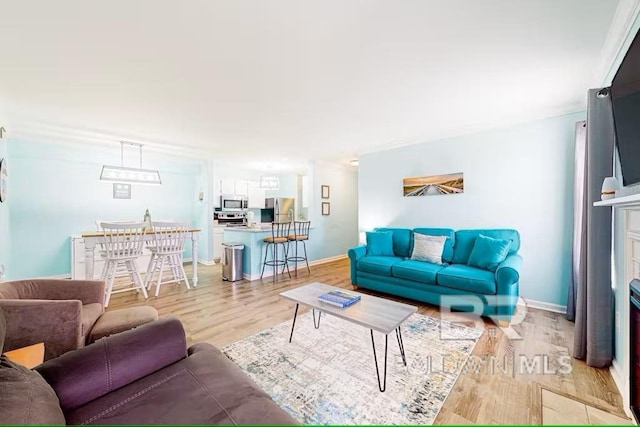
[
  {"x": 246, "y": 229},
  {"x": 253, "y": 254}
]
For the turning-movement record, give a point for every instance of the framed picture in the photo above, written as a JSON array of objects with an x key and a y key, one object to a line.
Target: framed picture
[
  {"x": 325, "y": 192},
  {"x": 434, "y": 185},
  {"x": 326, "y": 208},
  {"x": 121, "y": 191}
]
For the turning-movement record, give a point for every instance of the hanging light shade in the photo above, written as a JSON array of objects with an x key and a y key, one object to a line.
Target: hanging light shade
[
  {"x": 270, "y": 182},
  {"x": 130, "y": 175}
]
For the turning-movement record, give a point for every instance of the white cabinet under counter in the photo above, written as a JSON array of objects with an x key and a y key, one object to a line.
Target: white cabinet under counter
[{"x": 218, "y": 237}]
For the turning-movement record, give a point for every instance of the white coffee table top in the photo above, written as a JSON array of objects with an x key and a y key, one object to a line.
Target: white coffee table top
[{"x": 375, "y": 313}]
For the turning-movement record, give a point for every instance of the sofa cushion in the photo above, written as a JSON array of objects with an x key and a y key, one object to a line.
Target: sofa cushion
[
  {"x": 465, "y": 239},
  {"x": 378, "y": 264},
  {"x": 467, "y": 278},
  {"x": 447, "y": 252},
  {"x": 204, "y": 388},
  {"x": 401, "y": 240},
  {"x": 428, "y": 248},
  {"x": 380, "y": 243},
  {"x": 90, "y": 315},
  {"x": 488, "y": 253},
  {"x": 418, "y": 271},
  {"x": 25, "y": 397}
]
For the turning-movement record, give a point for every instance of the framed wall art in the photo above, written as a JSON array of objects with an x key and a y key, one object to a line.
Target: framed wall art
[
  {"x": 324, "y": 191},
  {"x": 433, "y": 185},
  {"x": 326, "y": 208}
]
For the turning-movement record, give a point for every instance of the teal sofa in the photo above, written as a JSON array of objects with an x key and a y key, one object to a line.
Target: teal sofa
[{"x": 467, "y": 288}]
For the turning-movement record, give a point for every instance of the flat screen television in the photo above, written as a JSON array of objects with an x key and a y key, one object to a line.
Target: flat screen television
[{"x": 625, "y": 99}]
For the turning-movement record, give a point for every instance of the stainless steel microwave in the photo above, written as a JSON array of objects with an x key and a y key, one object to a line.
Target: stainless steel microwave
[{"x": 230, "y": 202}]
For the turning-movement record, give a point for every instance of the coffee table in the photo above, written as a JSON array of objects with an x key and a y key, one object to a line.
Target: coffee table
[{"x": 376, "y": 314}]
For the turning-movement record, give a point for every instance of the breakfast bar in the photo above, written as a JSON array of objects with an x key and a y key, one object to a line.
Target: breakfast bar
[{"x": 253, "y": 254}]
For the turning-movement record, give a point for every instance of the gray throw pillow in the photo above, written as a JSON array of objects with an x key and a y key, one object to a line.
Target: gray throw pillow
[
  {"x": 428, "y": 248},
  {"x": 25, "y": 397}
]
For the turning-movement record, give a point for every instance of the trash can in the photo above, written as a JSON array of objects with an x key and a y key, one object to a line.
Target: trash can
[{"x": 232, "y": 261}]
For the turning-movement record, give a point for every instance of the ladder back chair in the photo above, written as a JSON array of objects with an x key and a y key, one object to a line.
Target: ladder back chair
[
  {"x": 122, "y": 246},
  {"x": 167, "y": 249}
]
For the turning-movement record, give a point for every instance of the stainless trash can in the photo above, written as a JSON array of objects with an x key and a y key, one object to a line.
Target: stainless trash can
[{"x": 232, "y": 261}]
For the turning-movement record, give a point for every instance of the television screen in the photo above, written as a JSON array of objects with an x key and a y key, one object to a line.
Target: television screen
[{"x": 625, "y": 99}]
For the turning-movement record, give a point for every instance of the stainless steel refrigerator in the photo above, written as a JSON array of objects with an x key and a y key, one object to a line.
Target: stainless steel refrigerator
[{"x": 283, "y": 208}]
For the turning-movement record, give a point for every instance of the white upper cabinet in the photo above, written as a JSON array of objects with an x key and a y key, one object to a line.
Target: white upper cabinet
[
  {"x": 242, "y": 188},
  {"x": 227, "y": 186},
  {"x": 256, "y": 195}
]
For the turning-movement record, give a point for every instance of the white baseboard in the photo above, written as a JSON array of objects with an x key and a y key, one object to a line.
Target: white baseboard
[
  {"x": 618, "y": 378},
  {"x": 268, "y": 272},
  {"x": 328, "y": 259},
  {"x": 541, "y": 305}
]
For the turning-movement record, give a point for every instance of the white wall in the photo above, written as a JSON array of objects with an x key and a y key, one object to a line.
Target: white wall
[{"x": 519, "y": 177}]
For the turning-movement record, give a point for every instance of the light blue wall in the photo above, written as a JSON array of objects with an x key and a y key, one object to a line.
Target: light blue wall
[
  {"x": 5, "y": 235},
  {"x": 56, "y": 193},
  {"x": 519, "y": 177},
  {"x": 333, "y": 234}
]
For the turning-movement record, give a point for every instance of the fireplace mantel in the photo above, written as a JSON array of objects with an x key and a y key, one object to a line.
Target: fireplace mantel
[{"x": 624, "y": 202}]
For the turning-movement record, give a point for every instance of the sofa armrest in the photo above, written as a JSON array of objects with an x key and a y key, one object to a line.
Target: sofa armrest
[
  {"x": 115, "y": 361},
  {"x": 87, "y": 291},
  {"x": 508, "y": 290},
  {"x": 508, "y": 272},
  {"x": 56, "y": 323},
  {"x": 355, "y": 253}
]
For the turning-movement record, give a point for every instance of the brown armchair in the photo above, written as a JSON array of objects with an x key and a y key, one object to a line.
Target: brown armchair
[{"x": 58, "y": 312}]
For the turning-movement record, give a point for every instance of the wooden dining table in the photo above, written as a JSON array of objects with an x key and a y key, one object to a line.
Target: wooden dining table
[{"x": 91, "y": 239}]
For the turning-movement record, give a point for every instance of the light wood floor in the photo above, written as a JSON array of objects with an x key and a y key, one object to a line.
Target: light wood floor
[{"x": 220, "y": 313}]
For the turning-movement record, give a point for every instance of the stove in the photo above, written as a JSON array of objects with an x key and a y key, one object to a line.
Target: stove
[{"x": 231, "y": 219}]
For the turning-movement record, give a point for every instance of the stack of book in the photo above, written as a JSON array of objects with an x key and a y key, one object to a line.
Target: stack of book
[{"x": 339, "y": 298}]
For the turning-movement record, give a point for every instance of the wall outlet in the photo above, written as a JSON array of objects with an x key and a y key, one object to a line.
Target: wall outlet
[{"x": 617, "y": 320}]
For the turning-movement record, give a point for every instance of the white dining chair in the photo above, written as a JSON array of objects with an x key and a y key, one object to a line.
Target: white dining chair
[
  {"x": 123, "y": 244},
  {"x": 167, "y": 250}
]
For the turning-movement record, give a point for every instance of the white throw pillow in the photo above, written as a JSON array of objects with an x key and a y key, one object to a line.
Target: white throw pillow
[{"x": 428, "y": 248}]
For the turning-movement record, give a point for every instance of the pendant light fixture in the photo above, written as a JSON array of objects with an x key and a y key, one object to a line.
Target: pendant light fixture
[{"x": 130, "y": 175}]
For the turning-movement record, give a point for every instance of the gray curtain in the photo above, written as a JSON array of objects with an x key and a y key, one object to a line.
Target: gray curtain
[
  {"x": 578, "y": 266},
  {"x": 590, "y": 302}
]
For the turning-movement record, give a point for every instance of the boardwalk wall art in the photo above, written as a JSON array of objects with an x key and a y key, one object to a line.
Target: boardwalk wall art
[{"x": 434, "y": 185}]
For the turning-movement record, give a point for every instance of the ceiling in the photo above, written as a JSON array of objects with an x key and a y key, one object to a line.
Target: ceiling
[{"x": 320, "y": 79}]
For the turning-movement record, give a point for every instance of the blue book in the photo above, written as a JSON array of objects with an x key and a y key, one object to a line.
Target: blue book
[{"x": 339, "y": 298}]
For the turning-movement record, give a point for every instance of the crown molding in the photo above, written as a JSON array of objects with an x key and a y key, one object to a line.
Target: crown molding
[
  {"x": 471, "y": 129},
  {"x": 619, "y": 37},
  {"x": 27, "y": 129}
]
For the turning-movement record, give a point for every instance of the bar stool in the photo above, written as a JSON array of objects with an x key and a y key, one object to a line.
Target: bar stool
[
  {"x": 167, "y": 247},
  {"x": 279, "y": 237},
  {"x": 123, "y": 243},
  {"x": 300, "y": 234}
]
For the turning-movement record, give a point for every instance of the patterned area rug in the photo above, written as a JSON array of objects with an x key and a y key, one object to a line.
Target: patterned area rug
[{"x": 327, "y": 375}]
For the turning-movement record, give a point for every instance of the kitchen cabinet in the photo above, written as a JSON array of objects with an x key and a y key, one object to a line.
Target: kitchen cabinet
[
  {"x": 256, "y": 195},
  {"x": 227, "y": 186},
  {"x": 242, "y": 188},
  {"x": 218, "y": 236}
]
